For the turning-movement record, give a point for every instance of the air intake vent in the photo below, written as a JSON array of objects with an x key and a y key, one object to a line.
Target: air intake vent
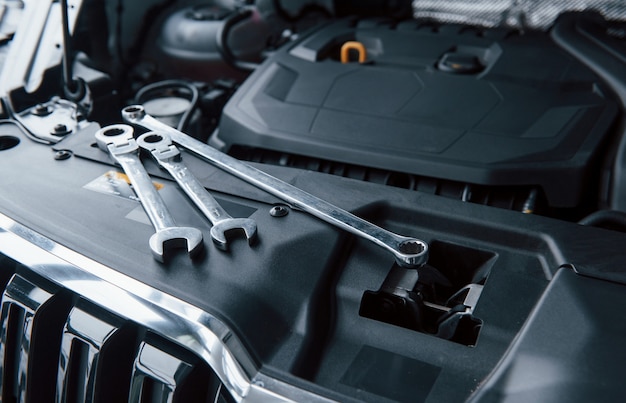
[{"x": 519, "y": 198}]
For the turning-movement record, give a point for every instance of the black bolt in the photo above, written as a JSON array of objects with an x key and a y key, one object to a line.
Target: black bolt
[
  {"x": 279, "y": 211},
  {"x": 42, "y": 110},
  {"x": 60, "y": 130},
  {"x": 61, "y": 155}
]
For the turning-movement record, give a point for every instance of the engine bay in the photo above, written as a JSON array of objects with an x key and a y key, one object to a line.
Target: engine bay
[
  {"x": 490, "y": 138},
  {"x": 503, "y": 115}
]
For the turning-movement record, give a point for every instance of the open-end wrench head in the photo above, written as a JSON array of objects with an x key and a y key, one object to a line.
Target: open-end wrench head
[
  {"x": 222, "y": 229},
  {"x": 120, "y": 136},
  {"x": 408, "y": 252},
  {"x": 163, "y": 241}
]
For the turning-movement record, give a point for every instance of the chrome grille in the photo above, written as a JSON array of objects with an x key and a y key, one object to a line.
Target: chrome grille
[
  {"x": 73, "y": 330},
  {"x": 25, "y": 348},
  {"x": 97, "y": 357}
]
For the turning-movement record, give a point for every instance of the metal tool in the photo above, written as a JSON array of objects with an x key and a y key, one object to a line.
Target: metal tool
[
  {"x": 408, "y": 252},
  {"x": 168, "y": 157},
  {"x": 119, "y": 142}
]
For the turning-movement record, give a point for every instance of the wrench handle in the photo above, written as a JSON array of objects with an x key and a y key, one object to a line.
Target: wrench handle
[
  {"x": 196, "y": 192},
  {"x": 151, "y": 201},
  {"x": 408, "y": 252}
]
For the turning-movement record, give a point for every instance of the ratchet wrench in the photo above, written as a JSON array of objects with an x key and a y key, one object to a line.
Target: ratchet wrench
[
  {"x": 408, "y": 252},
  {"x": 118, "y": 141},
  {"x": 168, "y": 157}
]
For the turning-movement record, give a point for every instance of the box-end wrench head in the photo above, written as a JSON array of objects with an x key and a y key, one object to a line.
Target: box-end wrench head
[
  {"x": 167, "y": 155},
  {"x": 119, "y": 142},
  {"x": 409, "y": 252}
]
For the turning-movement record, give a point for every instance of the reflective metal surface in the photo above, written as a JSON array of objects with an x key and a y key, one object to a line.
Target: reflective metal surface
[
  {"x": 20, "y": 301},
  {"x": 169, "y": 317},
  {"x": 159, "y": 376},
  {"x": 119, "y": 142},
  {"x": 10, "y": 13},
  {"x": 32, "y": 51},
  {"x": 168, "y": 157},
  {"x": 156, "y": 364},
  {"x": 408, "y": 252},
  {"x": 33, "y": 48},
  {"x": 53, "y": 120},
  {"x": 83, "y": 337}
]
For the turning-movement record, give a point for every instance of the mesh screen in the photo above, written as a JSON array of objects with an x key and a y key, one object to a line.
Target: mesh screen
[{"x": 538, "y": 14}]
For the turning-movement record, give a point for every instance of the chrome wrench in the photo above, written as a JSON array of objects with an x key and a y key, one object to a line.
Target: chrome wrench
[
  {"x": 118, "y": 141},
  {"x": 408, "y": 252},
  {"x": 168, "y": 157}
]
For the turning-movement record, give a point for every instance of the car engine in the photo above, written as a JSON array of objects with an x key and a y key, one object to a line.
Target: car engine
[{"x": 312, "y": 200}]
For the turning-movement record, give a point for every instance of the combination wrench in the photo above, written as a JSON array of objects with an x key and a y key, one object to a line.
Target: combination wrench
[
  {"x": 168, "y": 157},
  {"x": 119, "y": 142},
  {"x": 408, "y": 252}
]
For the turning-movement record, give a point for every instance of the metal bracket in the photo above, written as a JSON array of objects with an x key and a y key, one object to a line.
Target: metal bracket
[
  {"x": 32, "y": 51},
  {"x": 53, "y": 120}
]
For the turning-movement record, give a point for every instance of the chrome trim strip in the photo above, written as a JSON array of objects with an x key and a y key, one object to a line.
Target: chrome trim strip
[
  {"x": 157, "y": 365},
  {"x": 170, "y": 317},
  {"x": 21, "y": 298},
  {"x": 83, "y": 329}
]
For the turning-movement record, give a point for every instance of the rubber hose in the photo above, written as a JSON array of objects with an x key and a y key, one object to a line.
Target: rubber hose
[
  {"x": 162, "y": 85},
  {"x": 222, "y": 41}
]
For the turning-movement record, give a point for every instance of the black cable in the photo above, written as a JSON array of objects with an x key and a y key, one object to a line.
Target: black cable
[
  {"x": 74, "y": 89},
  {"x": 222, "y": 40},
  {"x": 169, "y": 84},
  {"x": 67, "y": 69},
  {"x": 119, "y": 10},
  {"x": 26, "y": 132}
]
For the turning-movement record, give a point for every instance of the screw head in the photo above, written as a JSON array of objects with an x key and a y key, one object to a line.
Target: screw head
[
  {"x": 61, "y": 155},
  {"x": 60, "y": 130},
  {"x": 279, "y": 211},
  {"x": 41, "y": 110}
]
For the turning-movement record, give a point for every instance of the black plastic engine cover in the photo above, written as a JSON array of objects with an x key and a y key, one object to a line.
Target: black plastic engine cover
[
  {"x": 485, "y": 107},
  {"x": 293, "y": 297}
]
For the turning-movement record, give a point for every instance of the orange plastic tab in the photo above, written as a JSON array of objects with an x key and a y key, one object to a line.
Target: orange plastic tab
[{"x": 353, "y": 45}]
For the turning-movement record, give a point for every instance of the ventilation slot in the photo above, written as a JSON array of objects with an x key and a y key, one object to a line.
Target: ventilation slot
[
  {"x": 12, "y": 325},
  {"x": 519, "y": 198}
]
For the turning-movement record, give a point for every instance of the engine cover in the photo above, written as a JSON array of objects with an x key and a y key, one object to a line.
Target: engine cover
[{"x": 487, "y": 107}]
